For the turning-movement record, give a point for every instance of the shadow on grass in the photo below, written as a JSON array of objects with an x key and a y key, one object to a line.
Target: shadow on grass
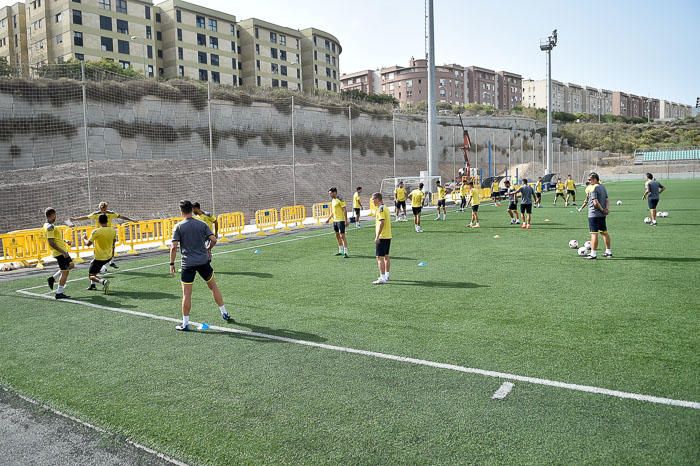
[
  {"x": 246, "y": 274},
  {"x": 278, "y": 332},
  {"x": 437, "y": 284},
  {"x": 394, "y": 258},
  {"x": 659, "y": 259}
]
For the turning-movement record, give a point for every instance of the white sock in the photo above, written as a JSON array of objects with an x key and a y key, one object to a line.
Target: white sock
[
  {"x": 60, "y": 289},
  {"x": 103, "y": 281},
  {"x": 340, "y": 249},
  {"x": 386, "y": 276},
  {"x": 608, "y": 251},
  {"x": 593, "y": 253},
  {"x": 57, "y": 275},
  {"x": 345, "y": 250},
  {"x": 185, "y": 320},
  {"x": 222, "y": 309}
]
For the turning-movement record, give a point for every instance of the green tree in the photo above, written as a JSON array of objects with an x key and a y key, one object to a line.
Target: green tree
[{"x": 5, "y": 68}]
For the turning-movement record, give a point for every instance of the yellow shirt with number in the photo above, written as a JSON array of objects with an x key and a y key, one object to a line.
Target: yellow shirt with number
[
  {"x": 207, "y": 218},
  {"x": 560, "y": 187},
  {"x": 464, "y": 190},
  {"x": 383, "y": 214},
  {"x": 476, "y": 200},
  {"x": 400, "y": 194},
  {"x": 417, "y": 198},
  {"x": 51, "y": 232},
  {"x": 103, "y": 241},
  {"x": 356, "y": 204},
  {"x": 442, "y": 194},
  {"x": 111, "y": 217},
  {"x": 538, "y": 187},
  {"x": 570, "y": 185},
  {"x": 338, "y": 209}
]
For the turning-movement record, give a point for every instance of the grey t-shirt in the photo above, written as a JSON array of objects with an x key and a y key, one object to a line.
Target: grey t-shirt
[
  {"x": 654, "y": 189},
  {"x": 192, "y": 235},
  {"x": 601, "y": 194},
  {"x": 526, "y": 192}
]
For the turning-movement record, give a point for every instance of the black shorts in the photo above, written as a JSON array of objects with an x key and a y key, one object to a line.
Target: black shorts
[
  {"x": 63, "y": 262},
  {"x": 416, "y": 210},
  {"x": 357, "y": 213},
  {"x": 560, "y": 195},
  {"x": 538, "y": 196},
  {"x": 495, "y": 194},
  {"x": 339, "y": 227},
  {"x": 442, "y": 203},
  {"x": 652, "y": 203},
  {"x": 382, "y": 249},
  {"x": 401, "y": 204},
  {"x": 475, "y": 208},
  {"x": 513, "y": 206},
  {"x": 525, "y": 208},
  {"x": 188, "y": 273},
  {"x": 571, "y": 192},
  {"x": 96, "y": 266},
  {"x": 597, "y": 224}
]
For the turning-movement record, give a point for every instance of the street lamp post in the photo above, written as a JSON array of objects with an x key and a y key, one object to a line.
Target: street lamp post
[
  {"x": 547, "y": 46},
  {"x": 143, "y": 52}
]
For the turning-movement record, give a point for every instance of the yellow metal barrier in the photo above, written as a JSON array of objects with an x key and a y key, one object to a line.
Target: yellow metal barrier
[
  {"x": 230, "y": 224},
  {"x": 148, "y": 231},
  {"x": 267, "y": 218},
  {"x": 293, "y": 214},
  {"x": 75, "y": 236},
  {"x": 28, "y": 246},
  {"x": 168, "y": 225},
  {"x": 321, "y": 211}
]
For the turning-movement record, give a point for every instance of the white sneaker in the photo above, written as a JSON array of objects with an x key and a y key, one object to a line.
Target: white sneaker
[
  {"x": 517, "y": 222},
  {"x": 436, "y": 219},
  {"x": 379, "y": 281},
  {"x": 476, "y": 225}
]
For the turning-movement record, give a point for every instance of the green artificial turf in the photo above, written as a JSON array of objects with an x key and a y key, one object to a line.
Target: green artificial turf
[{"x": 523, "y": 303}]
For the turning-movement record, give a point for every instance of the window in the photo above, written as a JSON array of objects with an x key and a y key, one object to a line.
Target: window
[
  {"x": 283, "y": 55},
  {"x": 273, "y": 37},
  {"x": 200, "y": 22},
  {"x": 181, "y": 71},
  {"x": 213, "y": 25},
  {"x": 149, "y": 51},
  {"x": 160, "y": 53},
  {"x": 284, "y": 84},
  {"x": 215, "y": 77},
  {"x": 58, "y": 17},
  {"x": 178, "y": 16},
  {"x": 328, "y": 85},
  {"x": 233, "y": 33},
  {"x": 235, "y": 80},
  {"x": 257, "y": 49},
  {"x": 214, "y": 61},
  {"x": 315, "y": 55},
  {"x": 180, "y": 53},
  {"x": 283, "y": 41},
  {"x": 149, "y": 34},
  {"x": 275, "y": 83},
  {"x": 283, "y": 70},
  {"x": 121, "y": 6},
  {"x": 213, "y": 42},
  {"x": 80, "y": 57},
  {"x": 328, "y": 45},
  {"x": 122, "y": 26},
  {"x": 105, "y": 4},
  {"x": 297, "y": 62},
  {"x": 257, "y": 35},
  {"x": 203, "y": 76},
  {"x": 78, "y": 38},
  {"x": 59, "y": 39},
  {"x": 202, "y": 40},
  {"x": 274, "y": 68},
  {"x": 333, "y": 60},
  {"x": 77, "y": 17},
  {"x": 233, "y": 47},
  {"x": 257, "y": 65},
  {"x": 335, "y": 87},
  {"x": 298, "y": 73},
  {"x": 297, "y": 43},
  {"x": 316, "y": 69},
  {"x": 333, "y": 46},
  {"x": 328, "y": 72},
  {"x": 148, "y": 12},
  {"x": 105, "y": 23},
  {"x": 159, "y": 35},
  {"x": 124, "y": 64},
  {"x": 157, "y": 17},
  {"x": 328, "y": 59},
  {"x": 179, "y": 34},
  {"x": 315, "y": 41},
  {"x": 123, "y": 46},
  {"x": 202, "y": 57},
  {"x": 258, "y": 80},
  {"x": 335, "y": 75},
  {"x": 150, "y": 71},
  {"x": 234, "y": 63},
  {"x": 107, "y": 44},
  {"x": 273, "y": 52}
]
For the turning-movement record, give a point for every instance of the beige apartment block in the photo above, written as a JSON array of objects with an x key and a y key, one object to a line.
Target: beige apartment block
[
  {"x": 13, "y": 36},
  {"x": 535, "y": 94},
  {"x": 118, "y": 30},
  {"x": 200, "y": 43},
  {"x": 409, "y": 85},
  {"x": 271, "y": 55},
  {"x": 510, "y": 90},
  {"x": 367, "y": 81},
  {"x": 320, "y": 56}
]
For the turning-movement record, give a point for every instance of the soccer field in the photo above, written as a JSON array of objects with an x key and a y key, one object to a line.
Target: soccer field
[{"x": 604, "y": 356}]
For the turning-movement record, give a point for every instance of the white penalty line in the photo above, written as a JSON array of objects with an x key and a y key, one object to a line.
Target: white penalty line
[
  {"x": 94, "y": 427},
  {"x": 419, "y": 362}
]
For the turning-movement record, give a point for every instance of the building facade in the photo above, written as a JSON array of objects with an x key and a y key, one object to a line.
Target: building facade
[
  {"x": 620, "y": 104},
  {"x": 367, "y": 81},
  {"x": 535, "y": 94},
  {"x": 320, "y": 57},
  {"x": 409, "y": 85},
  {"x": 481, "y": 83},
  {"x": 510, "y": 90},
  {"x": 574, "y": 98},
  {"x": 13, "y": 37}
]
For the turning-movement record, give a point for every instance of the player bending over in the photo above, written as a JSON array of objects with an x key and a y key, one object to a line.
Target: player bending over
[
  {"x": 527, "y": 193},
  {"x": 475, "y": 201},
  {"x": 597, "y": 214},
  {"x": 102, "y": 208},
  {"x": 512, "y": 204},
  {"x": 652, "y": 191},
  {"x": 195, "y": 240},
  {"x": 103, "y": 238},
  {"x": 559, "y": 191},
  {"x": 340, "y": 220},
  {"x": 382, "y": 239},
  {"x": 570, "y": 191},
  {"x": 400, "y": 202},
  {"x": 59, "y": 250},
  {"x": 417, "y": 196},
  {"x": 206, "y": 217},
  {"x": 357, "y": 205},
  {"x": 442, "y": 201}
]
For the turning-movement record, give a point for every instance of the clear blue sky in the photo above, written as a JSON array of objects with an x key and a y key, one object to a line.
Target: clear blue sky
[{"x": 644, "y": 47}]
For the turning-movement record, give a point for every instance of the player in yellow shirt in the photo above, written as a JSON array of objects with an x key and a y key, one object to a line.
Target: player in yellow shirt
[
  {"x": 417, "y": 196},
  {"x": 570, "y": 191},
  {"x": 340, "y": 219},
  {"x": 400, "y": 202},
  {"x": 589, "y": 189},
  {"x": 475, "y": 201},
  {"x": 463, "y": 194},
  {"x": 559, "y": 191},
  {"x": 538, "y": 193},
  {"x": 495, "y": 191},
  {"x": 357, "y": 205},
  {"x": 102, "y": 208},
  {"x": 206, "y": 217},
  {"x": 442, "y": 200},
  {"x": 382, "y": 239},
  {"x": 103, "y": 238},
  {"x": 59, "y": 250}
]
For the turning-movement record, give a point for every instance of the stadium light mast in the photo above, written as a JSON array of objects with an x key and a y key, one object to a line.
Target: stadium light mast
[
  {"x": 433, "y": 169},
  {"x": 547, "y": 46}
]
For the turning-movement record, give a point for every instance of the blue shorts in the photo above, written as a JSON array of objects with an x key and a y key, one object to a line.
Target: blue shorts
[
  {"x": 597, "y": 225},
  {"x": 652, "y": 203}
]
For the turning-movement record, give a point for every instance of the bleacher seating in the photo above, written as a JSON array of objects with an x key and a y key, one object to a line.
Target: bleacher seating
[{"x": 656, "y": 156}]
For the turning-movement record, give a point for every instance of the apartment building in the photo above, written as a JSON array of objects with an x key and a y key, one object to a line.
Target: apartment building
[
  {"x": 409, "y": 84},
  {"x": 271, "y": 55},
  {"x": 535, "y": 94},
  {"x": 574, "y": 98},
  {"x": 510, "y": 90},
  {"x": 320, "y": 57},
  {"x": 481, "y": 84},
  {"x": 13, "y": 36},
  {"x": 650, "y": 108},
  {"x": 199, "y": 43},
  {"x": 367, "y": 81},
  {"x": 636, "y": 106},
  {"x": 620, "y": 104}
]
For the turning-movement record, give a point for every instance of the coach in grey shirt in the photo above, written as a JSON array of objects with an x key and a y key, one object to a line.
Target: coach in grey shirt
[
  {"x": 652, "y": 193},
  {"x": 195, "y": 240},
  {"x": 526, "y": 194},
  {"x": 597, "y": 215}
]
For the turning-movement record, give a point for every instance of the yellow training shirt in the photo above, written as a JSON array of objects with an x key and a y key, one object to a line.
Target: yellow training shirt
[
  {"x": 103, "y": 240},
  {"x": 590, "y": 188},
  {"x": 383, "y": 214},
  {"x": 538, "y": 187},
  {"x": 560, "y": 187},
  {"x": 338, "y": 208},
  {"x": 51, "y": 232},
  {"x": 417, "y": 198},
  {"x": 441, "y": 193},
  {"x": 111, "y": 217},
  {"x": 356, "y": 204},
  {"x": 207, "y": 218},
  {"x": 400, "y": 194},
  {"x": 495, "y": 187},
  {"x": 464, "y": 190},
  {"x": 570, "y": 185},
  {"x": 475, "y": 196}
]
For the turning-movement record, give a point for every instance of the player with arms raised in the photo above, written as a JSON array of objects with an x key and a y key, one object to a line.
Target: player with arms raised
[
  {"x": 102, "y": 209},
  {"x": 206, "y": 217}
]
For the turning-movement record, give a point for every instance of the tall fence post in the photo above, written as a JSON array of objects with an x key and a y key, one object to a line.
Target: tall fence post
[
  {"x": 476, "y": 152},
  {"x": 294, "y": 159},
  {"x": 393, "y": 132},
  {"x": 454, "y": 155},
  {"x": 85, "y": 128},
  {"x": 211, "y": 146},
  {"x": 350, "y": 129}
]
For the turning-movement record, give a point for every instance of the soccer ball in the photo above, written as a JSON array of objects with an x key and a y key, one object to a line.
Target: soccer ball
[
  {"x": 587, "y": 245},
  {"x": 647, "y": 220},
  {"x": 663, "y": 214},
  {"x": 103, "y": 269},
  {"x": 582, "y": 251},
  {"x": 619, "y": 202},
  {"x": 573, "y": 244}
]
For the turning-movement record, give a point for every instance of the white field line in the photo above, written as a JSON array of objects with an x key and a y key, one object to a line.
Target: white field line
[
  {"x": 94, "y": 427},
  {"x": 503, "y": 391},
  {"x": 420, "y": 362}
]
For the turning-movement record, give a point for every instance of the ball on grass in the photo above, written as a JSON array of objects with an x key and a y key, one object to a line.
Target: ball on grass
[
  {"x": 647, "y": 220},
  {"x": 103, "y": 269},
  {"x": 573, "y": 244},
  {"x": 582, "y": 251},
  {"x": 587, "y": 245},
  {"x": 619, "y": 202}
]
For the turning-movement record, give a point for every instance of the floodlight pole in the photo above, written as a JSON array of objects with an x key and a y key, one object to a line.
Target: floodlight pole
[
  {"x": 547, "y": 47},
  {"x": 432, "y": 116}
]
